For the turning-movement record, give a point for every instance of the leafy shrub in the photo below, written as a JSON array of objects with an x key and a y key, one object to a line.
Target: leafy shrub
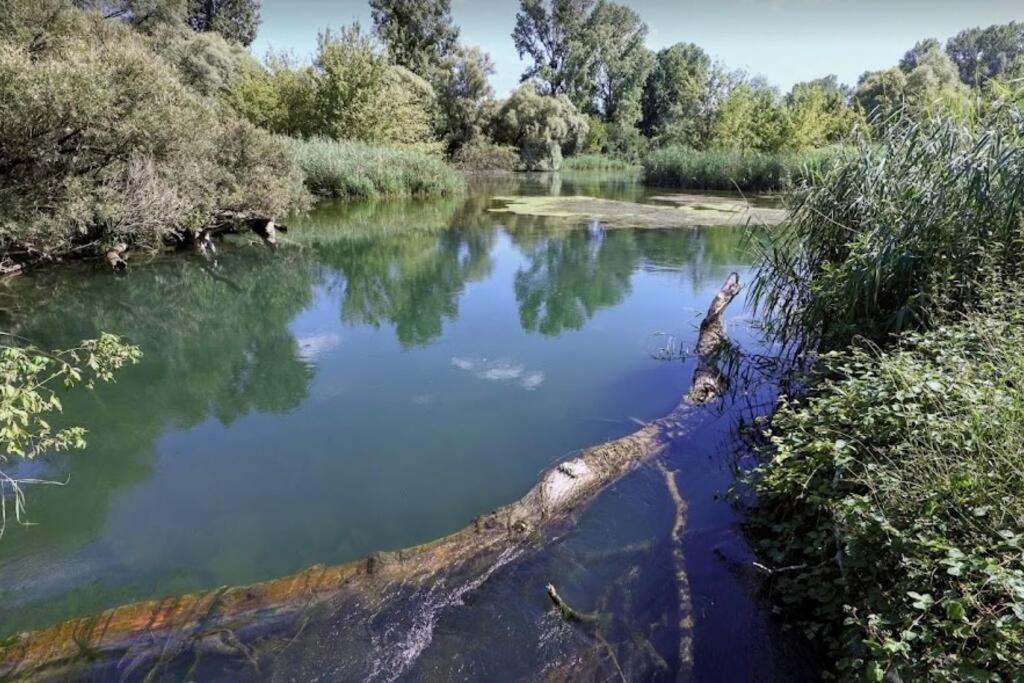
[
  {"x": 895, "y": 500},
  {"x": 359, "y": 170},
  {"x": 100, "y": 141},
  {"x": 896, "y": 233},
  {"x": 480, "y": 155},
  {"x": 718, "y": 169}
]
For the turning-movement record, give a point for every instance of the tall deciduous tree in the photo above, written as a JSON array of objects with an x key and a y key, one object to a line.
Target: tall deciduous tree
[
  {"x": 236, "y": 20},
  {"x": 464, "y": 94},
  {"x": 618, "y": 63},
  {"x": 984, "y": 54},
  {"x": 593, "y": 52},
  {"x": 549, "y": 32},
  {"x": 418, "y": 34},
  {"x": 673, "y": 90}
]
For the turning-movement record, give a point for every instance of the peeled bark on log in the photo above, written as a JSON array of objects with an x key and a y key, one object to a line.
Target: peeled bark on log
[{"x": 150, "y": 631}]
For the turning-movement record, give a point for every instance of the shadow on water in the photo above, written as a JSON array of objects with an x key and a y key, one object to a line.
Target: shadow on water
[{"x": 397, "y": 369}]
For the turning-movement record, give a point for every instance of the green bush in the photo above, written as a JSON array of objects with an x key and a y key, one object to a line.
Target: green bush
[
  {"x": 894, "y": 501},
  {"x": 900, "y": 231},
  {"x": 100, "y": 141},
  {"x": 359, "y": 170},
  {"x": 719, "y": 169},
  {"x": 598, "y": 162}
]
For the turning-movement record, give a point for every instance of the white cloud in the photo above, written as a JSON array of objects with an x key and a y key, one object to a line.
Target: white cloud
[{"x": 500, "y": 371}]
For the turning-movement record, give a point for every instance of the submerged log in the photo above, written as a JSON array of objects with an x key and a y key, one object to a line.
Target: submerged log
[{"x": 140, "y": 634}]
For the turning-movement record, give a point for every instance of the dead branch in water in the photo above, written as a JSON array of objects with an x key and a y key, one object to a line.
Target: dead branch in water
[
  {"x": 148, "y": 630},
  {"x": 682, "y": 580}
]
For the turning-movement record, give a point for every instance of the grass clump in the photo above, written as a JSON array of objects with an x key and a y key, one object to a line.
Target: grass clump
[
  {"x": 895, "y": 501},
  {"x": 356, "y": 170},
  {"x": 725, "y": 169},
  {"x": 897, "y": 233},
  {"x": 598, "y": 162}
]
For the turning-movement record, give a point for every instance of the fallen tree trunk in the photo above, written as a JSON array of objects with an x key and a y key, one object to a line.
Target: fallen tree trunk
[{"x": 138, "y": 635}]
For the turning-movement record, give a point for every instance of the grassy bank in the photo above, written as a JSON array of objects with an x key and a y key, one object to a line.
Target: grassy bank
[
  {"x": 891, "y": 497},
  {"x": 719, "y": 169},
  {"x": 598, "y": 162},
  {"x": 354, "y": 170}
]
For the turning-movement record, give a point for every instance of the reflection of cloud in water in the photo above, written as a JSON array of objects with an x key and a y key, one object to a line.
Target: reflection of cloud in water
[
  {"x": 500, "y": 371},
  {"x": 316, "y": 345},
  {"x": 423, "y": 399}
]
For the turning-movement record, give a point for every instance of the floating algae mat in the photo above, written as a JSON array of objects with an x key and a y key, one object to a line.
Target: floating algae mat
[{"x": 681, "y": 211}]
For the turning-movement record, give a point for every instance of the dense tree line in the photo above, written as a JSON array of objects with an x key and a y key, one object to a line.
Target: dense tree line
[{"x": 138, "y": 120}]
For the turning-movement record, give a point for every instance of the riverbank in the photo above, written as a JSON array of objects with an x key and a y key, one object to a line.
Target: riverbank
[{"x": 889, "y": 505}]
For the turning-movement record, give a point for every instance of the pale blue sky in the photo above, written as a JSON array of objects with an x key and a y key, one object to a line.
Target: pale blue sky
[{"x": 787, "y": 41}]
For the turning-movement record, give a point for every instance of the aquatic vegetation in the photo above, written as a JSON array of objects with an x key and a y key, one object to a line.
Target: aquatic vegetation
[
  {"x": 897, "y": 234},
  {"x": 731, "y": 170},
  {"x": 690, "y": 211},
  {"x": 355, "y": 170},
  {"x": 894, "y": 502},
  {"x": 598, "y": 162}
]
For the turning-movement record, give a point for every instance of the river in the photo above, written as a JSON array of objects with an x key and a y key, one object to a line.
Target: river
[{"x": 392, "y": 371}]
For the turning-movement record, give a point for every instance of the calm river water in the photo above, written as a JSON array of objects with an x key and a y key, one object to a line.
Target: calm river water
[{"x": 392, "y": 372}]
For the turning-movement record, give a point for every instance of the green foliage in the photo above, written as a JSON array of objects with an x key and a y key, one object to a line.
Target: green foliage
[
  {"x": 539, "y": 126},
  {"x": 593, "y": 52},
  {"x": 29, "y": 382},
  {"x": 673, "y": 91},
  {"x": 901, "y": 230},
  {"x": 930, "y": 89},
  {"x": 816, "y": 115},
  {"x": 626, "y": 142},
  {"x": 984, "y": 54},
  {"x": 617, "y": 64},
  {"x": 745, "y": 170},
  {"x": 361, "y": 171},
  {"x": 100, "y": 141},
  {"x": 549, "y": 33},
  {"x": 360, "y": 96},
  {"x": 465, "y": 97},
  {"x": 598, "y": 162},
  {"x": 419, "y": 34},
  {"x": 481, "y": 155},
  {"x": 750, "y": 118},
  {"x": 236, "y": 20},
  {"x": 596, "y": 139},
  {"x": 895, "y": 500}
]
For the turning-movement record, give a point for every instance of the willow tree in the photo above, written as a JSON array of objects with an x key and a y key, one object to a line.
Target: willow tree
[{"x": 540, "y": 126}]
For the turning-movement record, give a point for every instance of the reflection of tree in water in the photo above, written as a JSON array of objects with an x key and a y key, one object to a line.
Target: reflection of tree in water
[
  {"x": 573, "y": 274},
  {"x": 569, "y": 278},
  {"x": 216, "y": 343},
  {"x": 411, "y": 281}
]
